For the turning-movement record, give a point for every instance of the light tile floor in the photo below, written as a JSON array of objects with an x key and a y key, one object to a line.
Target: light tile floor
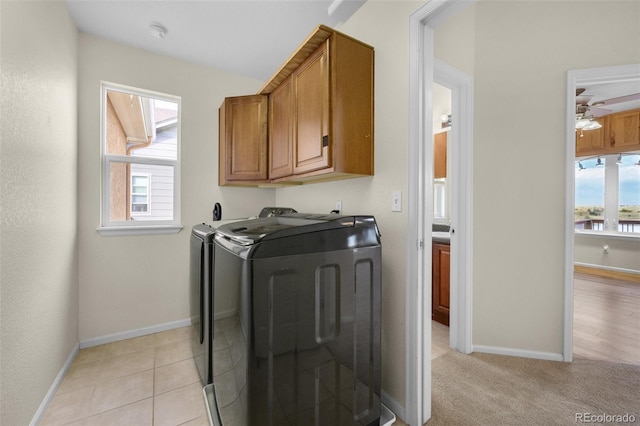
[{"x": 149, "y": 380}]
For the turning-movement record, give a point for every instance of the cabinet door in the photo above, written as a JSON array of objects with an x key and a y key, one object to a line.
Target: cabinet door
[
  {"x": 440, "y": 155},
  {"x": 441, "y": 261},
  {"x": 312, "y": 147},
  {"x": 243, "y": 138},
  {"x": 624, "y": 130},
  {"x": 588, "y": 141},
  {"x": 281, "y": 131}
]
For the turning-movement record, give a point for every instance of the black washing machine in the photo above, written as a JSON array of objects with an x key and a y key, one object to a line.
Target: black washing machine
[{"x": 303, "y": 347}]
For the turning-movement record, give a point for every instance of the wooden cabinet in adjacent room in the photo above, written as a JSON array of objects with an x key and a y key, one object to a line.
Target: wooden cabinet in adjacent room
[
  {"x": 624, "y": 131},
  {"x": 620, "y": 132},
  {"x": 590, "y": 141},
  {"x": 441, "y": 261},
  {"x": 440, "y": 155},
  {"x": 242, "y": 140}
]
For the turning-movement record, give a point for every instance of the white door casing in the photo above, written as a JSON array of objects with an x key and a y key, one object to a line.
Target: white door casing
[{"x": 423, "y": 72}]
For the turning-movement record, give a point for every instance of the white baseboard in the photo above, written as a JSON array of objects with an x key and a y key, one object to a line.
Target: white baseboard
[
  {"x": 134, "y": 333},
  {"x": 608, "y": 268},
  {"x": 496, "y": 350},
  {"x": 54, "y": 386},
  {"x": 392, "y": 404}
]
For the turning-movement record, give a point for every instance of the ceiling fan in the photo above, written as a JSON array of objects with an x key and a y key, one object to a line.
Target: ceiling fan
[
  {"x": 585, "y": 120},
  {"x": 585, "y": 106}
]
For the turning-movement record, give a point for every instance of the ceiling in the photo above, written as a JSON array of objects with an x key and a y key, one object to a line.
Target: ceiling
[{"x": 246, "y": 37}]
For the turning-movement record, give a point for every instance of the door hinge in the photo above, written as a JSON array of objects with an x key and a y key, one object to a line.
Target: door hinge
[{"x": 420, "y": 244}]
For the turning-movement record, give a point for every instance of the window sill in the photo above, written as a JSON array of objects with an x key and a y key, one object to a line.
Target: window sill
[
  {"x": 615, "y": 235},
  {"x": 139, "y": 230}
]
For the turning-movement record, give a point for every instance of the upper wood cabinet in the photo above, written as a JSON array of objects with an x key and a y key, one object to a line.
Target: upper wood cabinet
[
  {"x": 320, "y": 115},
  {"x": 590, "y": 140},
  {"x": 620, "y": 132},
  {"x": 243, "y": 140},
  {"x": 624, "y": 130},
  {"x": 440, "y": 155}
]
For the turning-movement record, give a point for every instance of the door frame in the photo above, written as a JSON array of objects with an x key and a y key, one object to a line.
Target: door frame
[
  {"x": 423, "y": 72},
  {"x": 575, "y": 78}
]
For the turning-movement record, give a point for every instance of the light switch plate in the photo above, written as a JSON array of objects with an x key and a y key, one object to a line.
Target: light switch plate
[{"x": 396, "y": 201}]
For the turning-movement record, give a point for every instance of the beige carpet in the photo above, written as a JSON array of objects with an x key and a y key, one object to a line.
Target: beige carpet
[{"x": 483, "y": 389}]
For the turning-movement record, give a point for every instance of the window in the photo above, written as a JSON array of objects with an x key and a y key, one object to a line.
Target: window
[
  {"x": 607, "y": 194},
  {"x": 629, "y": 193},
  {"x": 439, "y": 199},
  {"x": 140, "y": 161},
  {"x": 139, "y": 194}
]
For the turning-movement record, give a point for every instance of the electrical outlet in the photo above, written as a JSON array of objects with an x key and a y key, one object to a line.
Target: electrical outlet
[{"x": 339, "y": 206}]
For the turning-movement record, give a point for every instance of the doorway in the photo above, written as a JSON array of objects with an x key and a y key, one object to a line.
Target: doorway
[
  {"x": 575, "y": 79},
  {"x": 424, "y": 71}
]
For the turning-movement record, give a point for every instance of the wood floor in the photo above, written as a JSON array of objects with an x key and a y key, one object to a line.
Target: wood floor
[{"x": 606, "y": 319}]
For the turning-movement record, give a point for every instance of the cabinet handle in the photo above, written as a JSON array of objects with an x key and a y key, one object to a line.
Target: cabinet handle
[{"x": 325, "y": 140}]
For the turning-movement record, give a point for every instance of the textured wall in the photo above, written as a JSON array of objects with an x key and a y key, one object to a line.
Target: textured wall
[
  {"x": 38, "y": 252},
  {"x": 132, "y": 282}
]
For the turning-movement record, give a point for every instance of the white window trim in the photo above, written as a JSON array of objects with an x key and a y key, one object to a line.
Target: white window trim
[{"x": 114, "y": 228}]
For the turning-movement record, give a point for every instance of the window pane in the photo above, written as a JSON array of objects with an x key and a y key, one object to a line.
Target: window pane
[
  {"x": 589, "y": 203},
  {"x": 155, "y": 200},
  {"x": 629, "y": 194},
  {"x": 141, "y": 181},
  {"x": 141, "y": 126}
]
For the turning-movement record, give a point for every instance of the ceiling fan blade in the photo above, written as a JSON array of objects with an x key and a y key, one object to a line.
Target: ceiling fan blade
[
  {"x": 583, "y": 99},
  {"x": 627, "y": 98},
  {"x": 599, "y": 112}
]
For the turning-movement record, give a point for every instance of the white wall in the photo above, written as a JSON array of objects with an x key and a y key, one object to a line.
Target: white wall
[
  {"x": 523, "y": 50},
  {"x": 38, "y": 252},
  {"x": 134, "y": 282},
  {"x": 623, "y": 253}
]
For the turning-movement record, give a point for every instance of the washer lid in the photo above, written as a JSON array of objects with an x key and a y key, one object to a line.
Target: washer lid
[{"x": 253, "y": 231}]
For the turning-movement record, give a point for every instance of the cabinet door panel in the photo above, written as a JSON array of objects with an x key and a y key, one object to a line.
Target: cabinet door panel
[
  {"x": 440, "y": 155},
  {"x": 441, "y": 261},
  {"x": 281, "y": 131},
  {"x": 311, "y": 84},
  {"x": 245, "y": 138},
  {"x": 625, "y": 130},
  {"x": 588, "y": 141}
]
